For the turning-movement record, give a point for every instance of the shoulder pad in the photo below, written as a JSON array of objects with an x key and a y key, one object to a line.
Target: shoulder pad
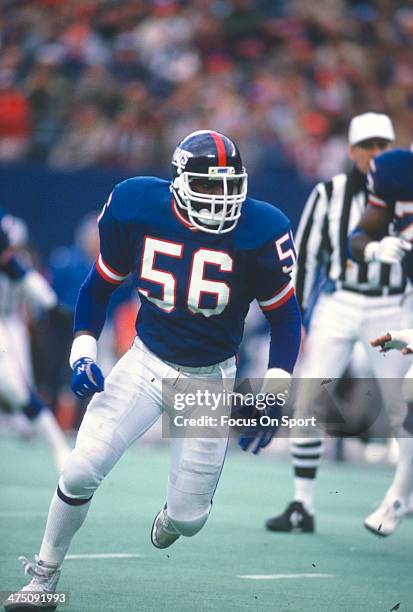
[
  {"x": 131, "y": 197},
  {"x": 395, "y": 164},
  {"x": 259, "y": 223},
  {"x": 393, "y": 173}
]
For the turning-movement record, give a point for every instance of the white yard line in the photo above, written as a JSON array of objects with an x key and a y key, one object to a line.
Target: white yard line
[
  {"x": 104, "y": 556},
  {"x": 20, "y": 513},
  {"x": 284, "y": 576}
]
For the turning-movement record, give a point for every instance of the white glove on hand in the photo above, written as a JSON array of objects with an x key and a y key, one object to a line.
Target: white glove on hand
[
  {"x": 401, "y": 340},
  {"x": 389, "y": 250}
]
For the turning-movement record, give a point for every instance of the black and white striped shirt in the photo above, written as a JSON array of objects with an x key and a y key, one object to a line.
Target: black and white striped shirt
[{"x": 332, "y": 211}]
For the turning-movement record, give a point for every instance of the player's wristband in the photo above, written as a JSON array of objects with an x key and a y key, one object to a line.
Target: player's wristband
[
  {"x": 83, "y": 346},
  {"x": 276, "y": 380},
  {"x": 370, "y": 251}
]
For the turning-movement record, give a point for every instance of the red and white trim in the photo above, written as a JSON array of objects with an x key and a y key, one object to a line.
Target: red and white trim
[
  {"x": 181, "y": 218},
  {"x": 375, "y": 201},
  {"x": 279, "y": 298},
  {"x": 109, "y": 274}
]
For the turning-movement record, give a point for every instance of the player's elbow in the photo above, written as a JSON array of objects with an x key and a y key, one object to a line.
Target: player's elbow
[
  {"x": 96, "y": 289},
  {"x": 285, "y": 330}
]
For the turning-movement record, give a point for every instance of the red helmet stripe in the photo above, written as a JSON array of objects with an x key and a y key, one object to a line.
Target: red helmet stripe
[{"x": 219, "y": 143}]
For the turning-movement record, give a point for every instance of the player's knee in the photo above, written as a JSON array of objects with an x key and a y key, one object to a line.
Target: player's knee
[
  {"x": 80, "y": 478},
  {"x": 14, "y": 394},
  {"x": 407, "y": 387},
  {"x": 189, "y": 526}
]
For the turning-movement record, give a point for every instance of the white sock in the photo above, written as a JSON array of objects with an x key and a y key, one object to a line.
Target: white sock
[
  {"x": 402, "y": 485},
  {"x": 304, "y": 490},
  {"x": 62, "y": 523}
]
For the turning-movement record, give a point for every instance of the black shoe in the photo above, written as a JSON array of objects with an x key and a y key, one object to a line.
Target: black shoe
[{"x": 294, "y": 518}]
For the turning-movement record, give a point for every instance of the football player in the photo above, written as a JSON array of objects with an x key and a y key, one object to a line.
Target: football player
[
  {"x": 201, "y": 251},
  {"x": 21, "y": 285},
  {"x": 390, "y": 183}
]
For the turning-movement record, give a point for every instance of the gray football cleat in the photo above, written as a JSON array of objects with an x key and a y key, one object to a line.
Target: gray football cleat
[
  {"x": 44, "y": 581},
  {"x": 163, "y": 533},
  {"x": 386, "y": 518}
]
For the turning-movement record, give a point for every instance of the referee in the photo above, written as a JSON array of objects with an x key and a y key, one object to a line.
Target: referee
[{"x": 356, "y": 303}]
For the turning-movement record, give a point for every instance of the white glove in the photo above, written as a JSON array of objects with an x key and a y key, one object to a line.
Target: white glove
[{"x": 388, "y": 250}]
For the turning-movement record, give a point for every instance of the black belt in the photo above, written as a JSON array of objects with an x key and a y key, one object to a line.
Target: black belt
[{"x": 370, "y": 292}]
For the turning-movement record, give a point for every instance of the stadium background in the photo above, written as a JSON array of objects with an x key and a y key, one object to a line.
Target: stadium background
[
  {"x": 94, "y": 91},
  {"x": 116, "y": 84}
]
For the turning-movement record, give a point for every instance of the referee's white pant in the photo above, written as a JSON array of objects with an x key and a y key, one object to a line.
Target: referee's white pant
[
  {"x": 339, "y": 321},
  {"x": 15, "y": 364}
]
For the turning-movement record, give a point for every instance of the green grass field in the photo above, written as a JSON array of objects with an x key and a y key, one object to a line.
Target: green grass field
[{"x": 364, "y": 573}]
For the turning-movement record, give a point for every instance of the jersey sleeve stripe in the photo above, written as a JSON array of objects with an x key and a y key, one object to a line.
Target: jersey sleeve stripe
[
  {"x": 108, "y": 273},
  {"x": 280, "y": 302},
  {"x": 375, "y": 201},
  {"x": 279, "y": 298}
]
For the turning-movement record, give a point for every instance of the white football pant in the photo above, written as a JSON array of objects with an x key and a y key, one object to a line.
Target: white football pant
[{"x": 130, "y": 404}]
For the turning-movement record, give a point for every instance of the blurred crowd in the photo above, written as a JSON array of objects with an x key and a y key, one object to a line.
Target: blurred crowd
[{"x": 119, "y": 82}]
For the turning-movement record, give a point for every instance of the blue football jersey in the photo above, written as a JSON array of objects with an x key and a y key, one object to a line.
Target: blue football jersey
[
  {"x": 195, "y": 287},
  {"x": 390, "y": 184}
]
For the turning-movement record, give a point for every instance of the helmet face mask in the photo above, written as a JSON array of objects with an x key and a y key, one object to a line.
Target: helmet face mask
[{"x": 209, "y": 181}]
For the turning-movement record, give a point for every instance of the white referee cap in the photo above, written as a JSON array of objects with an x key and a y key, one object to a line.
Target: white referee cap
[{"x": 370, "y": 125}]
